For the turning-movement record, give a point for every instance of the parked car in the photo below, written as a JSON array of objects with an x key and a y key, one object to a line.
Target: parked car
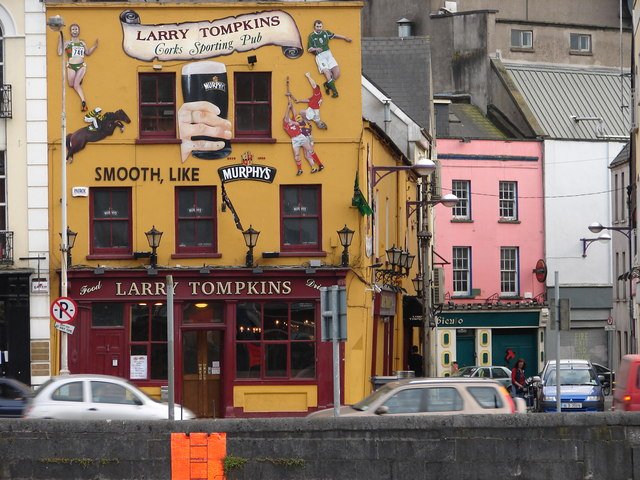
[
  {"x": 433, "y": 396},
  {"x": 580, "y": 387},
  {"x": 609, "y": 377},
  {"x": 97, "y": 397},
  {"x": 14, "y": 396},
  {"x": 626, "y": 394},
  {"x": 498, "y": 373}
]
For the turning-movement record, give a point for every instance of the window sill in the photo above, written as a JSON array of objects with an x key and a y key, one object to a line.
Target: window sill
[
  {"x": 463, "y": 297},
  {"x": 310, "y": 253},
  {"x": 110, "y": 256},
  {"x": 461, "y": 220},
  {"x": 506, "y": 220},
  {"x": 253, "y": 140},
  {"x": 580, "y": 54},
  {"x": 197, "y": 255},
  {"x": 522, "y": 49},
  {"x": 157, "y": 141}
]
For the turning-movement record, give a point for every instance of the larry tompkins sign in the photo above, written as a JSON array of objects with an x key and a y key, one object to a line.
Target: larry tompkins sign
[{"x": 207, "y": 39}]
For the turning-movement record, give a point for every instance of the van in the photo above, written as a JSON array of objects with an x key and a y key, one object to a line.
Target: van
[{"x": 626, "y": 391}]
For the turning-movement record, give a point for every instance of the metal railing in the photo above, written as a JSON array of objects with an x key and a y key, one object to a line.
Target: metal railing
[
  {"x": 6, "y": 247},
  {"x": 5, "y": 101}
]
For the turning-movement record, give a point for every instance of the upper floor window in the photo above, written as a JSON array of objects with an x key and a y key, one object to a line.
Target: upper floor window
[
  {"x": 509, "y": 285},
  {"x": 461, "y": 261},
  {"x": 508, "y": 201},
  {"x": 157, "y": 105},
  {"x": 580, "y": 43},
  {"x": 110, "y": 220},
  {"x": 462, "y": 190},
  {"x": 522, "y": 39},
  {"x": 196, "y": 220},
  {"x": 301, "y": 219},
  {"x": 252, "y": 105}
]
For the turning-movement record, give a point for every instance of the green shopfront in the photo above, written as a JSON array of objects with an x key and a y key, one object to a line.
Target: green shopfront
[{"x": 490, "y": 337}]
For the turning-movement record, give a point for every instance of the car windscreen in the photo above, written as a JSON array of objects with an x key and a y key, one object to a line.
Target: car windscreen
[
  {"x": 366, "y": 402},
  {"x": 465, "y": 372},
  {"x": 572, "y": 376}
]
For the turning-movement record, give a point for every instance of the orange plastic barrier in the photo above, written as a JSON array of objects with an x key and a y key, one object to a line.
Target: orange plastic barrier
[{"x": 198, "y": 456}]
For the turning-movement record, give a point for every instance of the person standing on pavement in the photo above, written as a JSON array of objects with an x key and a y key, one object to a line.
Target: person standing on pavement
[
  {"x": 518, "y": 379},
  {"x": 415, "y": 361}
]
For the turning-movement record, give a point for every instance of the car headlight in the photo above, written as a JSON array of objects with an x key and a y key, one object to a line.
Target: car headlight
[
  {"x": 592, "y": 398},
  {"x": 549, "y": 398}
]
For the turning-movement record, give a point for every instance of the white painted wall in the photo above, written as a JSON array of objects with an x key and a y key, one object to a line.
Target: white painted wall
[{"x": 577, "y": 193}]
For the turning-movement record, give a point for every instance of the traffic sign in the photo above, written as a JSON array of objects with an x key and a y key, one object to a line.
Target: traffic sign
[
  {"x": 64, "y": 309},
  {"x": 63, "y": 327}
]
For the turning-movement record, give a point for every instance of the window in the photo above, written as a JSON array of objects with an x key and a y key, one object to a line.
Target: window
[
  {"x": 623, "y": 200},
  {"x": 509, "y": 271},
  {"x": 196, "y": 229},
  {"x": 157, "y": 105},
  {"x": 253, "y": 105},
  {"x": 107, "y": 314},
  {"x": 487, "y": 397},
  {"x": 301, "y": 219},
  {"x": 275, "y": 340},
  {"x": 462, "y": 190},
  {"x": 149, "y": 338},
  {"x": 69, "y": 392},
  {"x": 111, "y": 220},
  {"x": 522, "y": 39},
  {"x": 616, "y": 206},
  {"x": 580, "y": 42},
  {"x": 107, "y": 392},
  {"x": 461, "y": 260},
  {"x": 508, "y": 201}
]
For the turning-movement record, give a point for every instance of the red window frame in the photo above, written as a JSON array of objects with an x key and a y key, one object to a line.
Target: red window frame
[
  {"x": 247, "y": 100},
  {"x": 213, "y": 248},
  {"x": 157, "y": 104},
  {"x": 110, "y": 250},
  {"x": 297, "y": 247},
  {"x": 150, "y": 344}
]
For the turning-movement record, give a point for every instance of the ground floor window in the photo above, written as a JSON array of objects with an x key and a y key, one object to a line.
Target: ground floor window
[
  {"x": 148, "y": 348},
  {"x": 275, "y": 340}
]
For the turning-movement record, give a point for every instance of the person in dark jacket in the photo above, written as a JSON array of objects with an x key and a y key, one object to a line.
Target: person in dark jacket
[
  {"x": 415, "y": 361},
  {"x": 518, "y": 378}
]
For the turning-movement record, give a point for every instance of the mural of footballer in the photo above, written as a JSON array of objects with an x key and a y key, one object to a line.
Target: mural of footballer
[{"x": 318, "y": 44}]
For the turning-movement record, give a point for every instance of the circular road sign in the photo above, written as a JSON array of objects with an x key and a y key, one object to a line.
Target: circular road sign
[
  {"x": 64, "y": 309},
  {"x": 541, "y": 270}
]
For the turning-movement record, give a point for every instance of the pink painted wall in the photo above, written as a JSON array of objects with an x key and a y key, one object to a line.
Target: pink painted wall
[{"x": 485, "y": 234}]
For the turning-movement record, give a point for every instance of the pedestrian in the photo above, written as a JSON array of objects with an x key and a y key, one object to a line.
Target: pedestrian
[
  {"x": 518, "y": 379},
  {"x": 75, "y": 50},
  {"x": 415, "y": 361},
  {"x": 454, "y": 367},
  {"x": 318, "y": 44}
]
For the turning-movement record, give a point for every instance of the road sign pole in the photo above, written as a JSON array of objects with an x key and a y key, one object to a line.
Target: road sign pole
[
  {"x": 558, "y": 390},
  {"x": 336, "y": 350}
]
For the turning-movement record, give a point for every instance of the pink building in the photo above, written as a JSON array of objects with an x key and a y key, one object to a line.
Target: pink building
[{"x": 490, "y": 246}]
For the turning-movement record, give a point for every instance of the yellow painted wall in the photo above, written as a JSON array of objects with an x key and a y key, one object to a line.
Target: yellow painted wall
[{"x": 344, "y": 148}]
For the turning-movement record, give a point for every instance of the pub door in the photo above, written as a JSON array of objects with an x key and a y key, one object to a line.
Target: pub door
[{"x": 201, "y": 372}]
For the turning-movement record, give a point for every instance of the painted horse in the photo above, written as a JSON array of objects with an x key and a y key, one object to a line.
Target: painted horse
[{"x": 77, "y": 140}]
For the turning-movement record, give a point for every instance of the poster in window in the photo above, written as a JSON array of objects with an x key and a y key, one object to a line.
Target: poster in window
[{"x": 138, "y": 367}]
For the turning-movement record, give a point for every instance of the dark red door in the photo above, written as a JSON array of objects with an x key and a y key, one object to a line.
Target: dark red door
[{"x": 107, "y": 348}]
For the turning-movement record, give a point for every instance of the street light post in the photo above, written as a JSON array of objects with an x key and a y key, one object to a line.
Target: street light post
[
  {"x": 627, "y": 232},
  {"x": 56, "y": 23}
]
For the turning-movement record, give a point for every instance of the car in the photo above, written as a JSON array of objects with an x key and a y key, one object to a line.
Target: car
[
  {"x": 97, "y": 397},
  {"x": 609, "y": 377},
  {"x": 14, "y": 396},
  {"x": 433, "y": 396},
  {"x": 580, "y": 387},
  {"x": 496, "y": 372},
  {"x": 626, "y": 394}
]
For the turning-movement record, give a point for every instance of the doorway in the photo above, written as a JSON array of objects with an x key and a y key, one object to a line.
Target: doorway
[{"x": 201, "y": 372}]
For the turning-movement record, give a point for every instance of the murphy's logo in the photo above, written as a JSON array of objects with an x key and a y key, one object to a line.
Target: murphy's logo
[
  {"x": 215, "y": 84},
  {"x": 258, "y": 173}
]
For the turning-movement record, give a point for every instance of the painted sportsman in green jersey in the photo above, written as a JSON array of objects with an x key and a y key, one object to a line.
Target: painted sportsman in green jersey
[{"x": 318, "y": 44}]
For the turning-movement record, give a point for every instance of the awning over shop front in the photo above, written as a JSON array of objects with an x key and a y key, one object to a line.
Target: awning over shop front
[
  {"x": 412, "y": 311},
  {"x": 460, "y": 319}
]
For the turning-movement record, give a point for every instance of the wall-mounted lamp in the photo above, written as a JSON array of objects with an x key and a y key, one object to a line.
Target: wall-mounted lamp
[
  {"x": 250, "y": 240},
  {"x": 418, "y": 284},
  {"x": 449, "y": 200},
  {"x": 605, "y": 237},
  {"x": 422, "y": 167},
  {"x": 251, "y": 60},
  {"x": 346, "y": 237},
  {"x": 71, "y": 241},
  {"x": 153, "y": 238},
  {"x": 157, "y": 66},
  {"x": 205, "y": 270}
]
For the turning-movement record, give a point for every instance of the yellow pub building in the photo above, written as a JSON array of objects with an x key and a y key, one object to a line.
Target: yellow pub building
[{"x": 219, "y": 148}]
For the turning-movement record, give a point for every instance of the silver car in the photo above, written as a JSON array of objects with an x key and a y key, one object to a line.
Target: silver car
[
  {"x": 496, "y": 372},
  {"x": 434, "y": 396},
  {"x": 97, "y": 397}
]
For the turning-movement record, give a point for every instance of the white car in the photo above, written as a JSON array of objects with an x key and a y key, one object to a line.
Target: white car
[{"x": 97, "y": 397}]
